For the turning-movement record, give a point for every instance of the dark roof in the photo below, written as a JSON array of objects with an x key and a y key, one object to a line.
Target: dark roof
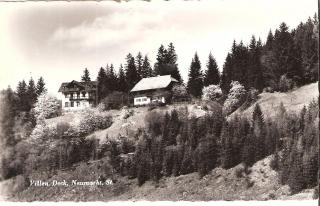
[
  {"x": 150, "y": 83},
  {"x": 75, "y": 86}
]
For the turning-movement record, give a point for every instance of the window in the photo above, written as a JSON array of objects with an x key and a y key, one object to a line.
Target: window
[
  {"x": 83, "y": 94},
  {"x": 138, "y": 100},
  {"x": 78, "y": 95},
  {"x": 144, "y": 99},
  {"x": 65, "y": 95},
  {"x": 72, "y": 104},
  {"x": 66, "y": 104},
  {"x": 71, "y": 96},
  {"x": 78, "y": 104}
]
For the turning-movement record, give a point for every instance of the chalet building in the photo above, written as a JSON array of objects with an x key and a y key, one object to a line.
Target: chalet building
[
  {"x": 78, "y": 95},
  {"x": 153, "y": 90}
]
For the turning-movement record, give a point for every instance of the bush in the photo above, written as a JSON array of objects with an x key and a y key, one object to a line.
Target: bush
[
  {"x": 115, "y": 100},
  {"x": 47, "y": 106},
  {"x": 235, "y": 99},
  {"x": 179, "y": 91},
  {"x": 211, "y": 93},
  {"x": 92, "y": 121},
  {"x": 285, "y": 83}
]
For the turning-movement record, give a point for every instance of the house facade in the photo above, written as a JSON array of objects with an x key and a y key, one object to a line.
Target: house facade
[
  {"x": 78, "y": 95},
  {"x": 153, "y": 90}
]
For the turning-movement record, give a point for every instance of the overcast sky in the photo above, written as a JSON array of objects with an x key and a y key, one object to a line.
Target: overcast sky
[{"x": 57, "y": 40}]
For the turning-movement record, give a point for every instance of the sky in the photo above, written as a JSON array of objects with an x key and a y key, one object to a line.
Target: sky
[{"x": 57, "y": 40}]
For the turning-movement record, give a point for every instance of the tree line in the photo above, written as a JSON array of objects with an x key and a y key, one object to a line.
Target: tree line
[{"x": 287, "y": 59}]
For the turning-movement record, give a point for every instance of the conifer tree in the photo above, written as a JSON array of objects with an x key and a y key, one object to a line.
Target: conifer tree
[
  {"x": 166, "y": 62},
  {"x": 132, "y": 76},
  {"x": 102, "y": 90},
  {"x": 212, "y": 75},
  {"x": 31, "y": 93},
  {"x": 259, "y": 132},
  {"x": 122, "y": 82},
  {"x": 111, "y": 79},
  {"x": 21, "y": 91},
  {"x": 86, "y": 76},
  {"x": 40, "y": 86},
  {"x": 146, "y": 68},
  {"x": 139, "y": 64},
  {"x": 195, "y": 81}
]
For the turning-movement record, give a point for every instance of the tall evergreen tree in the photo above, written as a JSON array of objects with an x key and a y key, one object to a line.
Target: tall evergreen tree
[
  {"x": 146, "y": 68},
  {"x": 86, "y": 76},
  {"x": 195, "y": 81},
  {"x": 31, "y": 93},
  {"x": 166, "y": 62},
  {"x": 132, "y": 75},
  {"x": 111, "y": 79},
  {"x": 259, "y": 132},
  {"x": 102, "y": 90},
  {"x": 21, "y": 91},
  {"x": 139, "y": 64},
  {"x": 212, "y": 75},
  {"x": 40, "y": 86},
  {"x": 122, "y": 82}
]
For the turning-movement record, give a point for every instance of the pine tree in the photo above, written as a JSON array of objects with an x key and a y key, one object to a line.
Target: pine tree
[
  {"x": 146, "y": 68},
  {"x": 259, "y": 132},
  {"x": 166, "y": 62},
  {"x": 139, "y": 64},
  {"x": 132, "y": 76},
  {"x": 122, "y": 82},
  {"x": 195, "y": 82},
  {"x": 212, "y": 75},
  {"x": 31, "y": 94},
  {"x": 102, "y": 91},
  {"x": 111, "y": 79},
  {"x": 269, "y": 42},
  {"x": 40, "y": 86},
  {"x": 21, "y": 91},
  {"x": 86, "y": 76}
]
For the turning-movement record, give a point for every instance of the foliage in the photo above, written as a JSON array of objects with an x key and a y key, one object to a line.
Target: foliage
[
  {"x": 46, "y": 106},
  {"x": 211, "y": 93},
  {"x": 195, "y": 81},
  {"x": 86, "y": 76},
  {"x": 115, "y": 100},
  {"x": 166, "y": 62},
  {"x": 92, "y": 121},
  {"x": 211, "y": 75},
  {"x": 236, "y": 97},
  {"x": 179, "y": 91}
]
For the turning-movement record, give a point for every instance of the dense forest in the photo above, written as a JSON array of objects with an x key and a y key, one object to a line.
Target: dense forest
[{"x": 173, "y": 143}]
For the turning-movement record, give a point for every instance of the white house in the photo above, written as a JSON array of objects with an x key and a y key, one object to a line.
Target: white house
[
  {"x": 78, "y": 95},
  {"x": 153, "y": 90}
]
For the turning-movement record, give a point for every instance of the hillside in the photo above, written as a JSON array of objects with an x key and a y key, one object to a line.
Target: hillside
[
  {"x": 260, "y": 183},
  {"x": 293, "y": 100},
  {"x": 127, "y": 120}
]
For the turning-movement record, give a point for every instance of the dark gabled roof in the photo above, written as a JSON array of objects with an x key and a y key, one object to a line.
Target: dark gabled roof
[
  {"x": 75, "y": 86},
  {"x": 157, "y": 82}
]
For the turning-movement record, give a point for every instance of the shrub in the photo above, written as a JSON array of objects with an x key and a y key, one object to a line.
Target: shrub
[
  {"x": 239, "y": 172},
  {"x": 115, "y": 100},
  {"x": 92, "y": 121},
  {"x": 235, "y": 99},
  {"x": 285, "y": 83},
  {"x": 211, "y": 93},
  {"x": 179, "y": 91},
  {"x": 47, "y": 106}
]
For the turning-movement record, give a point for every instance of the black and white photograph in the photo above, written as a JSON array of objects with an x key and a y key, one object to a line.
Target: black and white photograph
[{"x": 210, "y": 101}]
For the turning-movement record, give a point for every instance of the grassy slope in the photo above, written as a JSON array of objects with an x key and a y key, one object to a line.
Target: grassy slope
[
  {"x": 293, "y": 101},
  {"x": 120, "y": 125}
]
